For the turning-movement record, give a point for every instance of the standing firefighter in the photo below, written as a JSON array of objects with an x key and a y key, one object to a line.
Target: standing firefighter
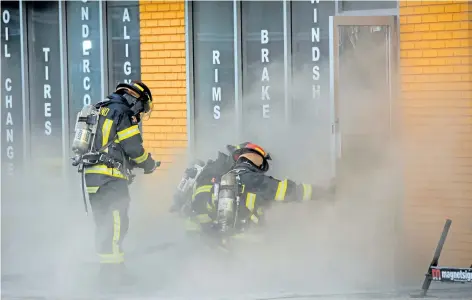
[{"x": 108, "y": 144}]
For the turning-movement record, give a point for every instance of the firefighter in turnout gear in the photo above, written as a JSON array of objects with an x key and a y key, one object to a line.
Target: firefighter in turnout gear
[
  {"x": 258, "y": 190},
  {"x": 120, "y": 149},
  {"x": 199, "y": 188}
]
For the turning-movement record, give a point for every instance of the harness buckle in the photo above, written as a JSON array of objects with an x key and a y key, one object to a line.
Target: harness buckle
[{"x": 110, "y": 161}]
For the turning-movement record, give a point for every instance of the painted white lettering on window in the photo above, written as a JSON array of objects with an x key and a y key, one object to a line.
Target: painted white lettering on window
[
  {"x": 87, "y": 83},
  {"x": 127, "y": 68},
  {"x": 6, "y": 20},
  {"x": 265, "y": 79},
  {"x": 86, "y": 48},
  {"x": 265, "y": 75},
  {"x": 315, "y": 54},
  {"x": 8, "y": 85},
  {"x": 216, "y": 90},
  {"x": 47, "y": 94},
  {"x": 6, "y": 16}
]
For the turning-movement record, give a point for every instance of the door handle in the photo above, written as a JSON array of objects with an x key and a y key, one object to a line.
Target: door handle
[{"x": 338, "y": 139}]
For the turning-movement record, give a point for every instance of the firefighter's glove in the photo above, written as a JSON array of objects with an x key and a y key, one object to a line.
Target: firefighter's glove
[
  {"x": 153, "y": 167},
  {"x": 328, "y": 192},
  {"x": 131, "y": 178}
]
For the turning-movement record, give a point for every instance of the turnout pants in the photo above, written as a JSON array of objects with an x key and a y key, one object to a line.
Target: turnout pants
[{"x": 110, "y": 211}]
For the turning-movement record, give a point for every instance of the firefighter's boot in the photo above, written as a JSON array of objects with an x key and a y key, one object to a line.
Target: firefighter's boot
[{"x": 115, "y": 275}]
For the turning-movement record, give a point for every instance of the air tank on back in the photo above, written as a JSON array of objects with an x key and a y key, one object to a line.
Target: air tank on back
[
  {"x": 85, "y": 128},
  {"x": 227, "y": 194}
]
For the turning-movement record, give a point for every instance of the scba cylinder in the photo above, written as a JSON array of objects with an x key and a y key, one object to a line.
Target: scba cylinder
[
  {"x": 81, "y": 141},
  {"x": 84, "y": 129},
  {"x": 226, "y": 201}
]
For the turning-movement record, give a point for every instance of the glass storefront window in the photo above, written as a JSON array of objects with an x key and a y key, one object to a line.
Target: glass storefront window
[
  {"x": 44, "y": 80},
  {"x": 310, "y": 91},
  {"x": 123, "y": 42},
  {"x": 263, "y": 102},
  {"x": 83, "y": 56},
  {"x": 213, "y": 50},
  {"x": 310, "y": 60},
  {"x": 11, "y": 91}
]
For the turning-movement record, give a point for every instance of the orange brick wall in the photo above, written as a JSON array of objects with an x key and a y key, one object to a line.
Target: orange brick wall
[
  {"x": 162, "y": 32},
  {"x": 436, "y": 89}
]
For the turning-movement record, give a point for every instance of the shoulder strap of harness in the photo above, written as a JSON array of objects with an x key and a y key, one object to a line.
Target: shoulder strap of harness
[{"x": 104, "y": 102}]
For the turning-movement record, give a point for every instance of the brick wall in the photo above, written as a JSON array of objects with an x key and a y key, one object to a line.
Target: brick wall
[
  {"x": 163, "y": 70},
  {"x": 436, "y": 86}
]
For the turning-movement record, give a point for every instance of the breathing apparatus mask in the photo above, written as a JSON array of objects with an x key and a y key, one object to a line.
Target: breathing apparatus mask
[{"x": 138, "y": 97}]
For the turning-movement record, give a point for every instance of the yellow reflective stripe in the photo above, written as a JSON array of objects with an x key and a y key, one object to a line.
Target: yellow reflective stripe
[
  {"x": 92, "y": 189},
  {"x": 203, "y": 218},
  {"x": 202, "y": 189},
  {"x": 138, "y": 87},
  {"x": 117, "y": 258},
  {"x": 260, "y": 211},
  {"x": 247, "y": 237},
  {"x": 106, "y": 132},
  {"x": 213, "y": 198},
  {"x": 141, "y": 158},
  {"x": 209, "y": 206},
  {"x": 104, "y": 170},
  {"x": 116, "y": 231},
  {"x": 281, "y": 190},
  {"x": 307, "y": 192},
  {"x": 128, "y": 132},
  {"x": 191, "y": 225},
  {"x": 250, "y": 201}
]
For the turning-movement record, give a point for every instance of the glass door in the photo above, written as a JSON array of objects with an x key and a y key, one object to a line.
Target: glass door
[{"x": 363, "y": 60}]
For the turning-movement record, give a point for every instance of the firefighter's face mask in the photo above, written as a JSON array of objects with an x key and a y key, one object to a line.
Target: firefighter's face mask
[
  {"x": 142, "y": 109},
  {"x": 141, "y": 106}
]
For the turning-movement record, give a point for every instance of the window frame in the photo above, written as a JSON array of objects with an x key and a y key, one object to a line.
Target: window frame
[
  {"x": 107, "y": 41},
  {"x": 366, "y": 12},
  {"x": 27, "y": 151},
  {"x": 238, "y": 57},
  {"x": 190, "y": 81}
]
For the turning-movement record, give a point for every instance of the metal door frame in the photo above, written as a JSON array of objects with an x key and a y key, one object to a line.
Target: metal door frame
[
  {"x": 334, "y": 22},
  {"x": 392, "y": 22}
]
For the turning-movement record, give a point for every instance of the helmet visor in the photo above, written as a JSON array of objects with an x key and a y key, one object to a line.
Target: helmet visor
[{"x": 147, "y": 111}]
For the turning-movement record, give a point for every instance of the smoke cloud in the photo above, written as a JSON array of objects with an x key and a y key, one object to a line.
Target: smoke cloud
[{"x": 319, "y": 247}]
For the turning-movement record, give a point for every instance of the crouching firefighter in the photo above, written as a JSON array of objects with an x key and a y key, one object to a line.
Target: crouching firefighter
[
  {"x": 239, "y": 199},
  {"x": 108, "y": 145},
  {"x": 197, "y": 180}
]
